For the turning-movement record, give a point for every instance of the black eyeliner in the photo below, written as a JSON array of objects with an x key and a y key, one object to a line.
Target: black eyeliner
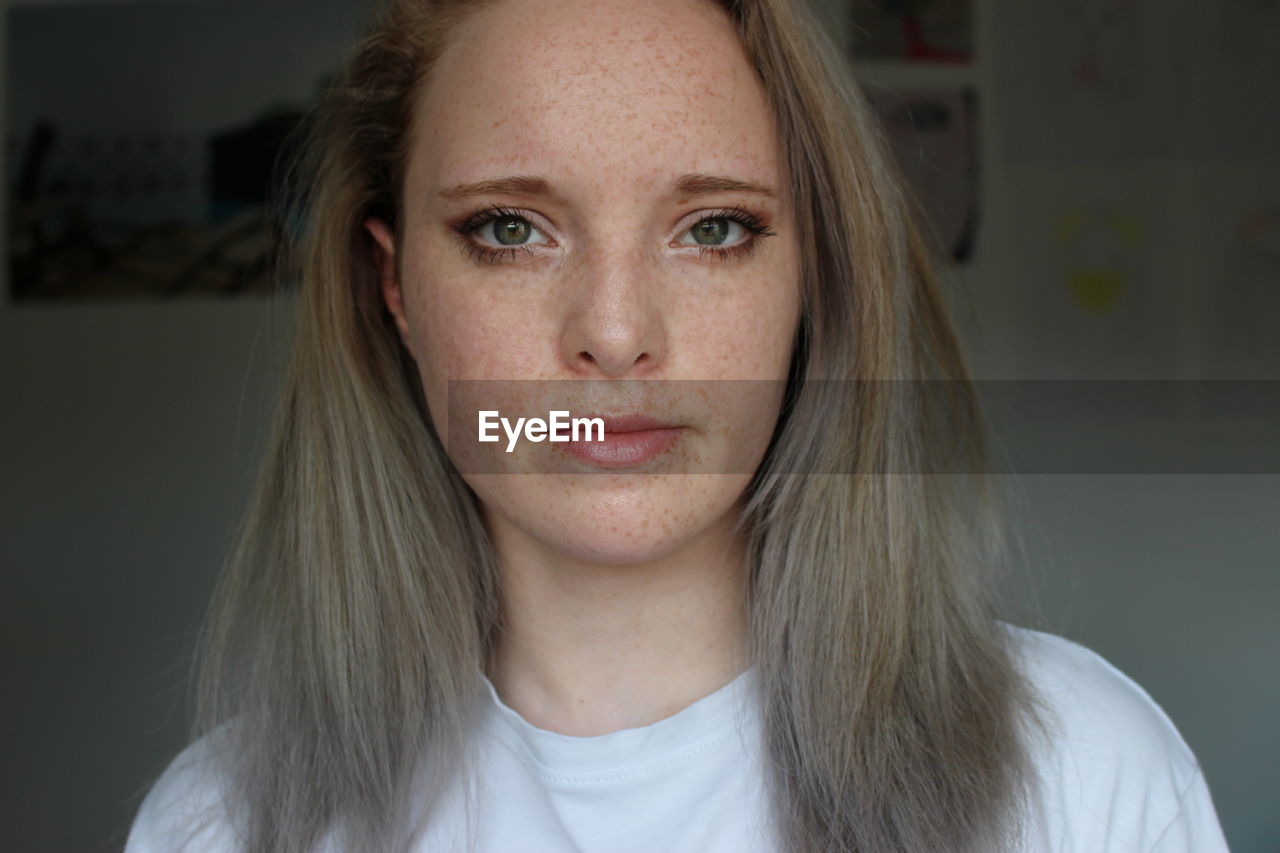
[{"x": 753, "y": 222}]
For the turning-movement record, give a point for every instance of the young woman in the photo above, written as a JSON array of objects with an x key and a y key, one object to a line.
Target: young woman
[{"x": 754, "y": 617}]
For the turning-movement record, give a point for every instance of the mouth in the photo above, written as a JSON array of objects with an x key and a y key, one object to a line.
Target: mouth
[{"x": 630, "y": 441}]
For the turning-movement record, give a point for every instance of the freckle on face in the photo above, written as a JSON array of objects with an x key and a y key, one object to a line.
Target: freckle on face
[{"x": 610, "y": 101}]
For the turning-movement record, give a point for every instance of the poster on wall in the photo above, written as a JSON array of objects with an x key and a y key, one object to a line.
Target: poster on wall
[
  {"x": 143, "y": 138},
  {"x": 934, "y": 139}
]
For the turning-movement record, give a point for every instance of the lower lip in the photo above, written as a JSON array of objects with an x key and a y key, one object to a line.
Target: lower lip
[{"x": 625, "y": 449}]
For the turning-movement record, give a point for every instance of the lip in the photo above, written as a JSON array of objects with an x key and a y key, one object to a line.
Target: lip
[
  {"x": 631, "y": 423},
  {"x": 629, "y": 441}
]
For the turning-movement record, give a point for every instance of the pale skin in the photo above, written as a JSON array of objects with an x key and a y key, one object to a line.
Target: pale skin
[{"x": 621, "y": 593}]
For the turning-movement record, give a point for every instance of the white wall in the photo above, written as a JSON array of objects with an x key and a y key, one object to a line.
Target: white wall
[{"x": 131, "y": 433}]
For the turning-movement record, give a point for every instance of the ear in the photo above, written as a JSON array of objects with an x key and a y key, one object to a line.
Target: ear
[{"x": 388, "y": 281}]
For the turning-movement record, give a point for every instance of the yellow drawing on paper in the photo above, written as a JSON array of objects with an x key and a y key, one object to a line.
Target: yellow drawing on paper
[{"x": 1099, "y": 249}]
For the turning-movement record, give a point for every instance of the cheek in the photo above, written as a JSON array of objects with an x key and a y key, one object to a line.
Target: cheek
[
  {"x": 459, "y": 331},
  {"x": 746, "y": 334},
  {"x": 463, "y": 328},
  {"x": 462, "y": 338}
]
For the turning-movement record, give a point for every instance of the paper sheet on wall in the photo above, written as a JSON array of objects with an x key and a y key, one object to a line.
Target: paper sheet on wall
[
  {"x": 1097, "y": 291},
  {"x": 1232, "y": 79},
  {"x": 1235, "y": 270},
  {"x": 1086, "y": 80}
]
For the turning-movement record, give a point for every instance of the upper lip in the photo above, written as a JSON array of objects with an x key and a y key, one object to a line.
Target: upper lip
[{"x": 630, "y": 423}]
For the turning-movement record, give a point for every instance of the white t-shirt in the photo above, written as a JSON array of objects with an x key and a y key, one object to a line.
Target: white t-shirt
[{"x": 1118, "y": 778}]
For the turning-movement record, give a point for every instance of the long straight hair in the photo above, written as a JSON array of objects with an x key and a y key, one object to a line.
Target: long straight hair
[{"x": 341, "y": 659}]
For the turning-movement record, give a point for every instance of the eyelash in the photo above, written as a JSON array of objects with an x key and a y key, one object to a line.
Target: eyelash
[{"x": 753, "y": 222}]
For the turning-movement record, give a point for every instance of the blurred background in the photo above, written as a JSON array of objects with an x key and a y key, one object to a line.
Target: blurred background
[{"x": 1104, "y": 173}]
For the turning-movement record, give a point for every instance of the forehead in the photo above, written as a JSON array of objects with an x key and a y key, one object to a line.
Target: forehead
[{"x": 637, "y": 91}]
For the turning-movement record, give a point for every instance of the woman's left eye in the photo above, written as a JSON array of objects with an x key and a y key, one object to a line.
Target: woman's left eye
[
  {"x": 727, "y": 233},
  {"x": 715, "y": 232}
]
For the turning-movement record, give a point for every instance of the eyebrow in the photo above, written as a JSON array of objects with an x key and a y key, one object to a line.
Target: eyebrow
[{"x": 692, "y": 185}]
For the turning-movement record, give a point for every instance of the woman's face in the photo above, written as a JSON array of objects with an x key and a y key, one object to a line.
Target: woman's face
[{"x": 584, "y": 186}]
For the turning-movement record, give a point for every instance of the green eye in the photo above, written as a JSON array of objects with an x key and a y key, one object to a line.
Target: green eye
[
  {"x": 711, "y": 232},
  {"x": 511, "y": 230}
]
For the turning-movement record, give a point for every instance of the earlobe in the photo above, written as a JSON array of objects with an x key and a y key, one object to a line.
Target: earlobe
[{"x": 388, "y": 281}]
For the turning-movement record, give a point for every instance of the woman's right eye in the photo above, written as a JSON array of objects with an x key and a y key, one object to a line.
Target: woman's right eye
[
  {"x": 509, "y": 230},
  {"x": 496, "y": 234}
]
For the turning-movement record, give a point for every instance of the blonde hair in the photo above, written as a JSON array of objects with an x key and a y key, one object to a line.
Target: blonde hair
[{"x": 342, "y": 656}]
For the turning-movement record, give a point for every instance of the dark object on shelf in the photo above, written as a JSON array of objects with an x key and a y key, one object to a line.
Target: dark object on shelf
[
  {"x": 913, "y": 30},
  {"x": 243, "y": 171},
  {"x": 33, "y": 162},
  {"x": 110, "y": 217}
]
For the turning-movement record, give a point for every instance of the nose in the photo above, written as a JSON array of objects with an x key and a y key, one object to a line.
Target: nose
[{"x": 615, "y": 326}]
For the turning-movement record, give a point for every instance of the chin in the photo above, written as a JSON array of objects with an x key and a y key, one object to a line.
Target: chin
[
  {"x": 614, "y": 519},
  {"x": 613, "y": 547}
]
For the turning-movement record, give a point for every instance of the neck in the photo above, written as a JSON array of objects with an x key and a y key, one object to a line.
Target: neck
[{"x": 589, "y": 648}]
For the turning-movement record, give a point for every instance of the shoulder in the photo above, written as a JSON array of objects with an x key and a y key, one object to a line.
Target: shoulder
[
  {"x": 1114, "y": 772},
  {"x": 185, "y": 810},
  {"x": 1094, "y": 704}
]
